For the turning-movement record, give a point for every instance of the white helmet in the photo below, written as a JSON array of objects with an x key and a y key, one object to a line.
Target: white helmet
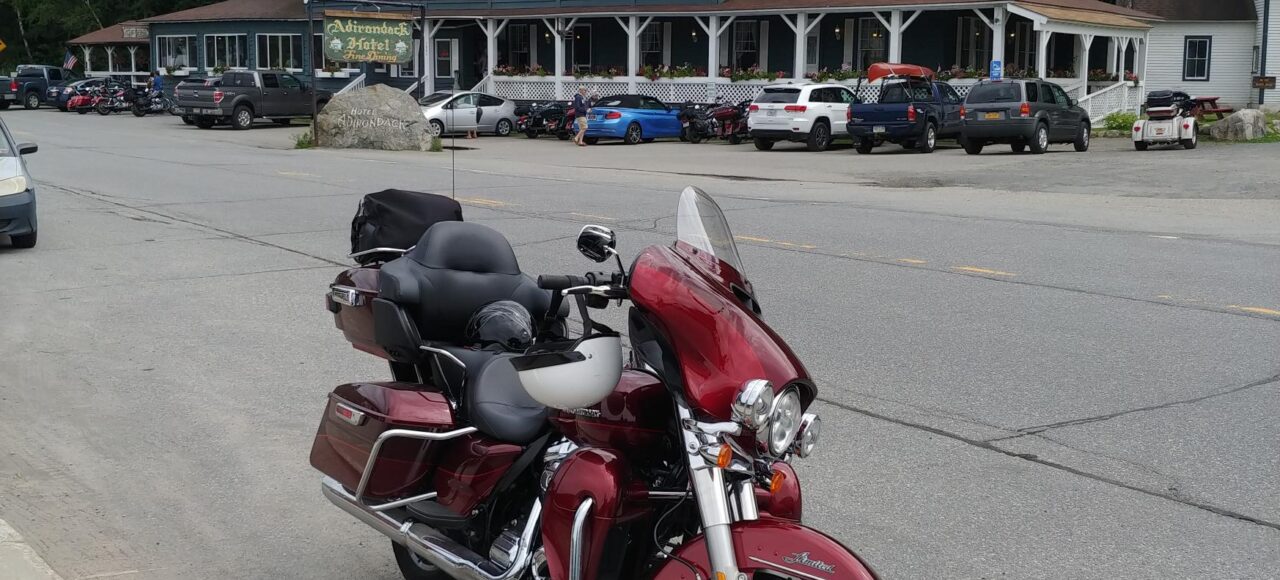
[{"x": 578, "y": 374}]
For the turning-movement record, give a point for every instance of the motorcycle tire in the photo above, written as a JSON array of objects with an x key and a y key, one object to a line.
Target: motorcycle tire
[
  {"x": 735, "y": 139},
  {"x": 82, "y": 110},
  {"x": 531, "y": 134},
  {"x": 692, "y": 136},
  {"x": 103, "y": 108},
  {"x": 564, "y": 136},
  {"x": 413, "y": 568},
  {"x": 139, "y": 110}
]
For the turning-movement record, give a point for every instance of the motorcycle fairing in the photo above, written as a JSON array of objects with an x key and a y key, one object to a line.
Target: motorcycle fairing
[{"x": 771, "y": 544}]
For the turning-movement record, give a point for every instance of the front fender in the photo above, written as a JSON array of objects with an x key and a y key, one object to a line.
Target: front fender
[{"x": 771, "y": 544}]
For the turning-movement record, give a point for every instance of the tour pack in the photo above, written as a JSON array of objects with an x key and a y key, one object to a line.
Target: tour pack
[{"x": 396, "y": 218}]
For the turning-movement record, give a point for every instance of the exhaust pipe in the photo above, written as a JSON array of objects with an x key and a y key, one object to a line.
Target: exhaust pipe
[{"x": 429, "y": 544}]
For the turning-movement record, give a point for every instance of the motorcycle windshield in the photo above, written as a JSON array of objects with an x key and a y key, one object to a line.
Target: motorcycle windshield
[{"x": 703, "y": 235}]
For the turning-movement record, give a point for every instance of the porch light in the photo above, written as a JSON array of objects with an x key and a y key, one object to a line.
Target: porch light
[
  {"x": 837, "y": 33},
  {"x": 694, "y": 35}
]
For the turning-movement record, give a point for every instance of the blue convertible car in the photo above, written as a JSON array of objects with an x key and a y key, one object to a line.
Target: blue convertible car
[{"x": 632, "y": 118}]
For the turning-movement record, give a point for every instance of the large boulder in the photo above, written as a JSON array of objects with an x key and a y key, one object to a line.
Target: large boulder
[
  {"x": 376, "y": 117},
  {"x": 1244, "y": 125}
]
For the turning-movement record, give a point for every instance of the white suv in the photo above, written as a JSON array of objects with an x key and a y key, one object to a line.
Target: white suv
[{"x": 808, "y": 113}]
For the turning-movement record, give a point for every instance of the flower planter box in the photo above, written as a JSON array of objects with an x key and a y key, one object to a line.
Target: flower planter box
[
  {"x": 324, "y": 75},
  {"x": 180, "y": 73}
]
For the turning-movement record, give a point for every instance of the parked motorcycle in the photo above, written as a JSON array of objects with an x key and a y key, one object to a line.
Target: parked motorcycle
[
  {"x": 84, "y": 100},
  {"x": 545, "y": 119},
  {"x": 694, "y": 122},
  {"x": 149, "y": 102},
  {"x": 543, "y": 455},
  {"x": 113, "y": 100},
  {"x": 731, "y": 121}
]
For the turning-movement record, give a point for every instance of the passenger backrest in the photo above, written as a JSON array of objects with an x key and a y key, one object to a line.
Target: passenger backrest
[{"x": 456, "y": 268}]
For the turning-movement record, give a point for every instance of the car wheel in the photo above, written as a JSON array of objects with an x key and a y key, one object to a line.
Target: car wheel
[
  {"x": 1018, "y": 147},
  {"x": 1140, "y": 145},
  {"x": 973, "y": 147},
  {"x": 205, "y": 123},
  {"x": 590, "y": 140},
  {"x": 437, "y": 127},
  {"x": 1192, "y": 142},
  {"x": 634, "y": 134},
  {"x": 24, "y": 241},
  {"x": 503, "y": 128},
  {"x": 930, "y": 141},
  {"x": 1040, "y": 140},
  {"x": 763, "y": 144},
  {"x": 865, "y": 146},
  {"x": 242, "y": 118},
  {"x": 32, "y": 101},
  {"x": 1082, "y": 138},
  {"x": 819, "y": 137}
]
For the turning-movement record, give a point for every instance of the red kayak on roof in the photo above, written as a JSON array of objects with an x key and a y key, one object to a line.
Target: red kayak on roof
[{"x": 880, "y": 70}]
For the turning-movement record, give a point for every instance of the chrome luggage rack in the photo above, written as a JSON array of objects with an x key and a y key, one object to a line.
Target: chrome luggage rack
[{"x": 375, "y": 251}]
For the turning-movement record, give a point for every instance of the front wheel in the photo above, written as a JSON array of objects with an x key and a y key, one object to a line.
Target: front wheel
[
  {"x": 1082, "y": 138},
  {"x": 634, "y": 134},
  {"x": 503, "y": 128},
  {"x": 139, "y": 110},
  {"x": 692, "y": 135},
  {"x": 437, "y": 127},
  {"x": 415, "y": 568},
  {"x": 763, "y": 144},
  {"x": 531, "y": 134},
  {"x": 103, "y": 108}
]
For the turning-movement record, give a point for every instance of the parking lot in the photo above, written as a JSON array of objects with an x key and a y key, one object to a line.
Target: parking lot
[{"x": 1029, "y": 366}]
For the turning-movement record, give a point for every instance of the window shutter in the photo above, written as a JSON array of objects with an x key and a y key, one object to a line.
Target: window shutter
[
  {"x": 764, "y": 45},
  {"x": 533, "y": 45},
  {"x": 666, "y": 43},
  {"x": 850, "y": 31},
  {"x": 726, "y": 42}
]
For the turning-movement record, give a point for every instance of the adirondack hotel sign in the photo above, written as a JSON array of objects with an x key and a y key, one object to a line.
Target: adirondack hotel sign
[{"x": 365, "y": 37}]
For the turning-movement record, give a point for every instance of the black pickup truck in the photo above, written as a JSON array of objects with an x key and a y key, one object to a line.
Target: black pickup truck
[
  {"x": 242, "y": 96},
  {"x": 912, "y": 111},
  {"x": 31, "y": 83}
]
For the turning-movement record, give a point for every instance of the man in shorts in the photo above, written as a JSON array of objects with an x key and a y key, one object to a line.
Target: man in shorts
[{"x": 581, "y": 104}]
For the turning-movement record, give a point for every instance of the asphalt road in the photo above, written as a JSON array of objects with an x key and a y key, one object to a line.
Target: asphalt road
[{"x": 1030, "y": 366}]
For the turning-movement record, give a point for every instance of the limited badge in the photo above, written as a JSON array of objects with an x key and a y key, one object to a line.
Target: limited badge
[{"x": 803, "y": 559}]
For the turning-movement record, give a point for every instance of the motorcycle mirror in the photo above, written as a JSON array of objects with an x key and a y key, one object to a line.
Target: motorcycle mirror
[{"x": 597, "y": 243}]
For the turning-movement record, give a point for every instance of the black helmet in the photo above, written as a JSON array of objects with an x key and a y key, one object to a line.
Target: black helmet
[{"x": 504, "y": 323}]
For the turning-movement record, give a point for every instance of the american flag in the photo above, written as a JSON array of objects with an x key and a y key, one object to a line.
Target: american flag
[{"x": 69, "y": 62}]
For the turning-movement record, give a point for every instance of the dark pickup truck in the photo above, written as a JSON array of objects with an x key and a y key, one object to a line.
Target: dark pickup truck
[
  {"x": 31, "y": 83},
  {"x": 912, "y": 112},
  {"x": 242, "y": 96}
]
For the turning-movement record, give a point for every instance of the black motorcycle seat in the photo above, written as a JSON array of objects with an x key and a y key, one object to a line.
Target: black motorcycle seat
[
  {"x": 495, "y": 401},
  {"x": 456, "y": 268}
]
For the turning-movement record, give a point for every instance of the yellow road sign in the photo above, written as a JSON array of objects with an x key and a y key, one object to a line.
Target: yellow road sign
[{"x": 3, "y": 46}]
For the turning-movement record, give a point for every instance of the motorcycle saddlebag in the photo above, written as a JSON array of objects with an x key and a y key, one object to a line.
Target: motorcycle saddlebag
[
  {"x": 350, "y": 299},
  {"x": 397, "y": 219},
  {"x": 357, "y": 413}
]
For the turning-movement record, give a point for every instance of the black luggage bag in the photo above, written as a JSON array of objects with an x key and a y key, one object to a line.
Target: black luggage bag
[{"x": 396, "y": 219}]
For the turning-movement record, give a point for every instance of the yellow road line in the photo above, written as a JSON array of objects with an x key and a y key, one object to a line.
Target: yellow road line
[
  {"x": 594, "y": 217},
  {"x": 481, "y": 201},
  {"x": 1256, "y": 310},
  {"x": 986, "y": 271},
  {"x": 753, "y": 239},
  {"x": 296, "y": 174},
  {"x": 912, "y": 261}
]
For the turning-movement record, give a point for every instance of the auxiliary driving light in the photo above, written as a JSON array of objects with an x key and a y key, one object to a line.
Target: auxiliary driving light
[
  {"x": 807, "y": 439},
  {"x": 753, "y": 404},
  {"x": 784, "y": 422}
]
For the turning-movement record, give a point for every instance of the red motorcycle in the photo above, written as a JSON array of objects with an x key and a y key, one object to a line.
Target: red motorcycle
[{"x": 558, "y": 461}]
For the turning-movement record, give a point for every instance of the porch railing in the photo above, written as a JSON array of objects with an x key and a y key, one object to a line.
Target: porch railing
[
  {"x": 356, "y": 83},
  {"x": 1121, "y": 96}
]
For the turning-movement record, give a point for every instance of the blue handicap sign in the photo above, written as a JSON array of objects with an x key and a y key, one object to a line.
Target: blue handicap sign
[{"x": 997, "y": 70}]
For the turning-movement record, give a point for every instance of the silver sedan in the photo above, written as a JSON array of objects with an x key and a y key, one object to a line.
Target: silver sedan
[{"x": 465, "y": 111}]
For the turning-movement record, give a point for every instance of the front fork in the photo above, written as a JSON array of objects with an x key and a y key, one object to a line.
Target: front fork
[{"x": 718, "y": 505}]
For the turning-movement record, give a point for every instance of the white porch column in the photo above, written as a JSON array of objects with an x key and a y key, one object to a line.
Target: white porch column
[
  {"x": 634, "y": 28},
  {"x": 1083, "y": 43},
  {"x": 896, "y": 26},
  {"x": 996, "y": 25},
  {"x": 1140, "y": 58},
  {"x": 110, "y": 61},
  {"x": 429, "y": 72},
  {"x": 133, "y": 59},
  {"x": 802, "y": 27},
  {"x": 1113, "y": 46},
  {"x": 558, "y": 27},
  {"x": 88, "y": 66},
  {"x": 714, "y": 27},
  {"x": 1042, "y": 53},
  {"x": 491, "y": 28}
]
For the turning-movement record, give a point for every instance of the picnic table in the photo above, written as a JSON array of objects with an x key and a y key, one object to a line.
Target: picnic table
[{"x": 1209, "y": 106}]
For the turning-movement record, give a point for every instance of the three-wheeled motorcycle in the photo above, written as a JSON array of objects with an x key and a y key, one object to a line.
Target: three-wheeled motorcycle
[{"x": 1170, "y": 120}]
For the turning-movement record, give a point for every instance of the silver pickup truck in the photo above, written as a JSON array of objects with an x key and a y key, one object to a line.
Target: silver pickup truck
[{"x": 243, "y": 96}]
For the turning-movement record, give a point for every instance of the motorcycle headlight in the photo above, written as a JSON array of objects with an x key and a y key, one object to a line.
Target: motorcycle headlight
[
  {"x": 753, "y": 404},
  {"x": 784, "y": 422},
  {"x": 810, "y": 429},
  {"x": 13, "y": 185}
]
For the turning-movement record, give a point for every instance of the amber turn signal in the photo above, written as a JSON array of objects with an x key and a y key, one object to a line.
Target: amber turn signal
[
  {"x": 775, "y": 482},
  {"x": 724, "y": 457}
]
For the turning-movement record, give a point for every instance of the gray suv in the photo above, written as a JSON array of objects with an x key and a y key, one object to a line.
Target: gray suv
[{"x": 1025, "y": 114}]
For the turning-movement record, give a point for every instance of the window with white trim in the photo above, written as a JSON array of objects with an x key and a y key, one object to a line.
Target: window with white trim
[
  {"x": 1024, "y": 46},
  {"x": 1195, "y": 58},
  {"x": 226, "y": 51},
  {"x": 812, "y": 47},
  {"x": 872, "y": 39},
  {"x": 518, "y": 46},
  {"x": 1257, "y": 59},
  {"x": 409, "y": 70},
  {"x": 280, "y": 51},
  {"x": 745, "y": 51},
  {"x": 446, "y": 62},
  {"x": 973, "y": 43},
  {"x": 176, "y": 52},
  {"x": 651, "y": 44}
]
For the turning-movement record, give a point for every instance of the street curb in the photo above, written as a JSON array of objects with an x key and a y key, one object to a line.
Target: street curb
[{"x": 18, "y": 561}]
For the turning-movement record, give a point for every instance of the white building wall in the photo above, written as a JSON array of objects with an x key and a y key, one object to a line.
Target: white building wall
[{"x": 1230, "y": 60}]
